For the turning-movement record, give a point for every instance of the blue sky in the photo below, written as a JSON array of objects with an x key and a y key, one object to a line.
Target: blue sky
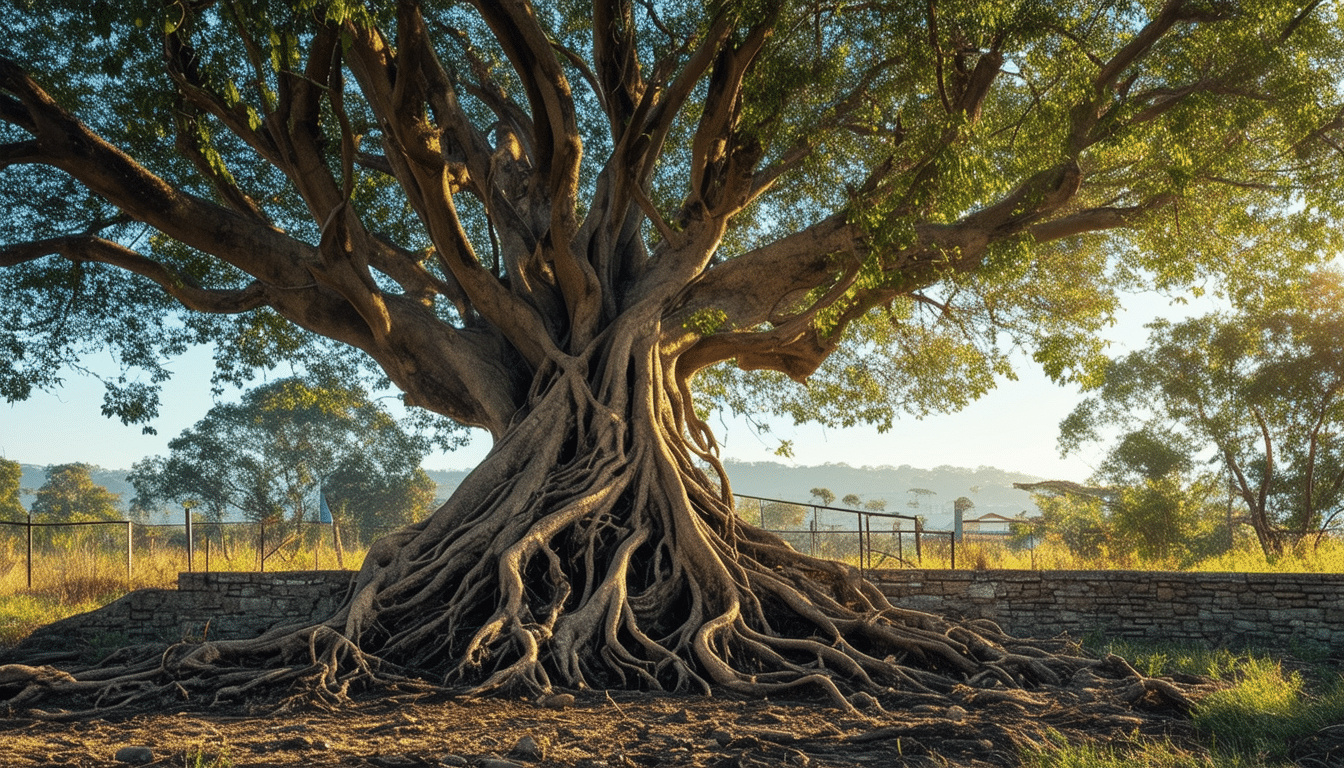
[{"x": 1012, "y": 428}]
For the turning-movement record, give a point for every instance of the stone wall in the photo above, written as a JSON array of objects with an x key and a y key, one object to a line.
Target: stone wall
[
  {"x": 1231, "y": 609},
  {"x": 204, "y": 605},
  {"x": 1227, "y": 609}
]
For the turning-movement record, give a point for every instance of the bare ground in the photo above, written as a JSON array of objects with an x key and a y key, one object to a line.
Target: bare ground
[{"x": 395, "y": 729}]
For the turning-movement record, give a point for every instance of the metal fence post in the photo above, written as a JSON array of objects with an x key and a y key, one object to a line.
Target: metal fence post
[
  {"x": 129, "y": 537},
  {"x": 30, "y": 549},
  {"x": 191, "y": 539}
]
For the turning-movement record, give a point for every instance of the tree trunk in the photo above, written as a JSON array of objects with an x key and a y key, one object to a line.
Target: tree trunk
[{"x": 593, "y": 549}]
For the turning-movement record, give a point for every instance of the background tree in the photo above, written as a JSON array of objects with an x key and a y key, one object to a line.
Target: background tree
[
  {"x": 875, "y": 505},
  {"x": 10, "y": 506},
  {"x": 69, "y": 495},
  {"x": 824, "y": 496},
  {"x": 1164, "y": 506},
  {"x": 377, "y": 499},
  {"x": 779, "y": 514},
  {"x": 564, "y": 224},
  {"x": 1261, "y": 388},
  {"x": 268, "y": 453},
  {"x": 918, "y": 496},
  {"x": 852, "y": 500}
]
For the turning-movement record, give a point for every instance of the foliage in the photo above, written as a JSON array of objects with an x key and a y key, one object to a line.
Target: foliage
[
  {"x": 69, "y": 495},
  {"x": 268, "y": 453},
  {"x": 1262, "y": 388},
  {"x": 775, "y": 515},
  {"x": 1180, "y": 174},
  {"x": 851, "y": 500},
  {"x": 10, "y": 506},
  {"x": 378, "y": 498},
  {"x": 823, "y": 495}
]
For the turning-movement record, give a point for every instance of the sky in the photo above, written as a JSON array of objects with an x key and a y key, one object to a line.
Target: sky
[{"x": 1012, "y": 428}]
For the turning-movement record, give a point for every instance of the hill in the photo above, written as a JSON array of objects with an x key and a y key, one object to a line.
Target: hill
[{"x": 990, "y": 489}]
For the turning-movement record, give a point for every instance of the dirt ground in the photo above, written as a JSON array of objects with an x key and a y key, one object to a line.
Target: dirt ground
[{"x": 591, "y": 730}]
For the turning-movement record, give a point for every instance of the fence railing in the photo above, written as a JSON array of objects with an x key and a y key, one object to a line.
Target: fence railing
[
  {"x": 870, "y": 538},
  {"x": 197, "y": 543}
]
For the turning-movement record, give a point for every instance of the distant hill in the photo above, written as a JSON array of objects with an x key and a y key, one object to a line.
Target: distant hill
[
  {"x": 993, "y": 492},
  {"x": 989, "y": 488}
]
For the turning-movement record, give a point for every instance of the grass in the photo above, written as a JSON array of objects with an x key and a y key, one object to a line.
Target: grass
[
  {"x": 85, "y": 572},
  {"x": 1253, "y": 722},
  {"x": 1328, "y": 557}
]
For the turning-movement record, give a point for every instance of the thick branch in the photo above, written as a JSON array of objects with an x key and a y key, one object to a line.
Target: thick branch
[
  {"x": 69, "y": 145},
  {"x": 20, "y": 152},
  {"x": 1094, "y": 220},
  {"x": 617, "y": 60},
  {"x": 178, "y": 285}
]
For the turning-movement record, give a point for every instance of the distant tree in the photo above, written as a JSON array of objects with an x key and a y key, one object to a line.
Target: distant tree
[
  {"x": 69, "y": 495},
  {"x": 823, "y": 495},
  {"x": 373, "y": 498},
  {"x": 1075, "y": 521},
  {"x": 783, "y": 515},
  {"x": 267, "y": 454},
  {"x": 1164, "y": 506},
  {"x": 963, "y": 504},
  {"x": 10, "y": 506},
  {"x": 917, "y": 497},
  {"x": 875, "y": 505},
  {"x": 852, "y": 500}
]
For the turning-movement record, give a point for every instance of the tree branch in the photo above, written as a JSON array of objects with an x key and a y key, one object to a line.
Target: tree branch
[
  {"x": 84, "y": 248},
  {"x": 20, "y": 152},
  {"x": 617, "y": 61},
  {"x": 1095, "y": 220}
]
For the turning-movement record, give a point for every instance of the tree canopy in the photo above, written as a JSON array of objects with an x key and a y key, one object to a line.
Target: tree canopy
[
  {"x": 1260, "y": 390},
  {"x": 949, "y": 182},
  {"x": 69, "y": 495},
  {"x": 11, "y": 474},
  {"x": 578, "y": 226}
]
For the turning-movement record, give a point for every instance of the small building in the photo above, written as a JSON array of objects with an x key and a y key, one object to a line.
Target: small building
[{"x": 988, "y": 524}]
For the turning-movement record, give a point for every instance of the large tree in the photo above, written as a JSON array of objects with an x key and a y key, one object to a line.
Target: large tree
[
  {"x": 267, "y": 455},
  {"x": 1262, "y": 388},
  {"x": 69, "y": 495},
  {"x": 554, "y": 221}
]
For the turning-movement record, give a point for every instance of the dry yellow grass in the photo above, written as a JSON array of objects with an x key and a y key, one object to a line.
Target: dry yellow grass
[{"x": 86, "y": 570}]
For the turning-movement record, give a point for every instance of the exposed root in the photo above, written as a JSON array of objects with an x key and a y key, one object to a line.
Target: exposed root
[{"x": 591, "y": 550}]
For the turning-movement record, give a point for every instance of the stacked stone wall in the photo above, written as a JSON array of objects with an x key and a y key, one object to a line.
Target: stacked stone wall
[
  {"x": 1225, "y": 609},
  {"x": 204, "y": 605}
]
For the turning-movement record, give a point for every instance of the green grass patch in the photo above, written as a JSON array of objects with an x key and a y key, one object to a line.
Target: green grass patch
[
  {"x": 1155, "y": 659},
  {"x": 1253, "y": 722},
  {"x": 22, "y": 613},
  {"x": 1129, "y": 754},
  {"x": 1267, "y": 710}
]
